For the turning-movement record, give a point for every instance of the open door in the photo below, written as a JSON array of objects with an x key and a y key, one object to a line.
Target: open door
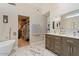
[{"x": 23, "y": 31}]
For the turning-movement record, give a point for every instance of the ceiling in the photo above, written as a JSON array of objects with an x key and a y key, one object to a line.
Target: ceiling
[{"x": 40, "y": 5}]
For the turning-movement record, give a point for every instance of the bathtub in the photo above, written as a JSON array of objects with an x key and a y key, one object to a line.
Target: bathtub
[{"x": 6, "y": 47}]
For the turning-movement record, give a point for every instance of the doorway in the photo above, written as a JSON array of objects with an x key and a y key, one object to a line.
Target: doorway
[{"x": 23, "y": 31}]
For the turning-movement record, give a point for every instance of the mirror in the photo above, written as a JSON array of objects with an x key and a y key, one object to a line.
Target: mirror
[{"x": 70, "y": 22}]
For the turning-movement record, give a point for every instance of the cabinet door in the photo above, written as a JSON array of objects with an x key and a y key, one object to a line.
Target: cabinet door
[
  {"x": 48, "y": 42},
  {"x": 58, "y": 45},
  {"x": 75, "y": 51},
  {"x": 75, "y": 48},
  {"x": 67, "y": 50},
  {"x": 53, "y": 44},
  {"x": 66, "y": 47}
]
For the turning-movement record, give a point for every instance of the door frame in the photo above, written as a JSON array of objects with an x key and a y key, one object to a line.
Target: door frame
[{"x": 29, "y": 25}]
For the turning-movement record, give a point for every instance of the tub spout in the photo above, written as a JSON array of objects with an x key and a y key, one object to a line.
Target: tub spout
[{"x": 10, "y": 33}]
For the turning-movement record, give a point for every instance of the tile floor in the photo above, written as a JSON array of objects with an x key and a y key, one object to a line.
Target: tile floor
[
  {"x": 22, "y": 42},
  {"x": 36, "y": 49}
]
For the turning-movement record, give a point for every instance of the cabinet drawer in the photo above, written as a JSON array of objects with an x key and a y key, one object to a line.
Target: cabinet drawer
[
  {"x": 71, "y": 40},
  {"x": 76, "y": 42},
  {"x": 58, "y": 39},
  {"x": 58, "y": 44},
  {"x": 64, "y": 40}
]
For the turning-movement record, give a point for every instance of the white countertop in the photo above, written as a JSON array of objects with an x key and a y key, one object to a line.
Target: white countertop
[{"x": 70, "y": 36}]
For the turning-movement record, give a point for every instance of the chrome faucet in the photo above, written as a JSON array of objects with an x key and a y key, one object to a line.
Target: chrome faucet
[
  {"x": 74, "y": 33},
  {"x": 54, "y": 31}
]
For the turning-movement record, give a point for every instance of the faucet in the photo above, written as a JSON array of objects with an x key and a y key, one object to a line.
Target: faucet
[
  {"x": 74, "y": 33},
  {"x": 10, "y": 33},
  {"x": 54, "y": 31}
]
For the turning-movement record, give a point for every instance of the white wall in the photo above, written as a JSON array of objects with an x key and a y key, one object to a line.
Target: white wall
[
  {"x": 62, "y": 8},
  {"x": 6, "y": 9},
  {"x": 13, "y": 12},
  {"x": 35, "y": 18}
]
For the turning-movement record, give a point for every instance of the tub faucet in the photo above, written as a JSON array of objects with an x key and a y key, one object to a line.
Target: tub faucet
[{"x": 10, "y": 33}]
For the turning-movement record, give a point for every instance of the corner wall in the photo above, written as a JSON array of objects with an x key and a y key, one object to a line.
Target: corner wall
[{"x": 10, "y": 11}]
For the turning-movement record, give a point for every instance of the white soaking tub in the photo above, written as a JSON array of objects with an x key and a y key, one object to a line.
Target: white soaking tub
[{"x": 6, "y": 47}]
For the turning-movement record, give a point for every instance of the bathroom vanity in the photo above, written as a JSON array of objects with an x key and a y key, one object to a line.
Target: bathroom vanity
[
  {"x": 62, "y": 45},
  {"x": 64, "y": 39}
]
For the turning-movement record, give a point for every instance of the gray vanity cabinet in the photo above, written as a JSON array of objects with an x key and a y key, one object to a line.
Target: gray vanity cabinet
[
  {"x": 63, "y": 46},
  {"x": 48, "y": 42},
  {"x": 53, "y": 44},
  {"x": 66, "y": 47},
  {"x": 75, "y": 50},
  {"x": 58, "y": 45},
  {"x": 70, "y": 46},
  {"x": 75, "y": 47}
]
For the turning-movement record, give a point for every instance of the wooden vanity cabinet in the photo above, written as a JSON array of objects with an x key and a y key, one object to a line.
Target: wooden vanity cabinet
[
  {"x": 70, "y": 46},
  {"x": 66, "y": 47},
  {"x": 75, "y": 50},
  {"x": 48, "y": 42},
  {"x": 54, "y": 44},
  {"x": 58, "y": 45},
  {"x": 63, "y": 46},
  {"x": 75, "y": 47}
]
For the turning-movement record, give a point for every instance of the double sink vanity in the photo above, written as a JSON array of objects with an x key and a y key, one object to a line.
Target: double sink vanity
[
  {"x": 67, "y": 42},
  {"x": 62, "y": 45}
]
